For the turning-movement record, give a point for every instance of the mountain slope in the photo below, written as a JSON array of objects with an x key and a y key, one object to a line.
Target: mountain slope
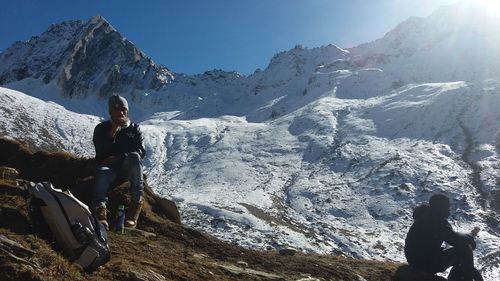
[
  {"x": 456, "y": 42},
  {"x": 315, "y": 179},
  {"x": 45, "y": 124},
  {"x": 174, "y": 252},
  {"x": 326, "y": 150}
]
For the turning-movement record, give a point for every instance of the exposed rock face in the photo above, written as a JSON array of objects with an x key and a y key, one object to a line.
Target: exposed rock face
[
  {"x": 93, "y": 58},
  {"x": 34, "y": 58}
]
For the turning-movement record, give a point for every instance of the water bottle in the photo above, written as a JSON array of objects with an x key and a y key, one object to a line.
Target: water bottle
[
  {"x": 82, "y": 233},
  {"x": 120, "y": 220}
]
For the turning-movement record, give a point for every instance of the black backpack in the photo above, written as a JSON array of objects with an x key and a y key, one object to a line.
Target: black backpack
[{"x": 58, "y": 214}]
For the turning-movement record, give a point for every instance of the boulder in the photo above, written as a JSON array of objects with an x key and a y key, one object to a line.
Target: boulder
[{"x": 287, "y": 252}]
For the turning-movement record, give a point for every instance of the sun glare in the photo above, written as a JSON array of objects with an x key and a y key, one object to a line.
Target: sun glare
[{"x": 492, "y": 5}]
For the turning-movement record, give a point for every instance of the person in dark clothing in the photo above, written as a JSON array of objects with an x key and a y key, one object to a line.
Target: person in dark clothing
[
  {"x": 423, "y": 244},
  {"x": 119, "y": 152}
]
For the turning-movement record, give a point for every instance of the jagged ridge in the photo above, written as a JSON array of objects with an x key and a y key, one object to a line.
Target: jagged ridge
[{"x": 91, "y": 58}]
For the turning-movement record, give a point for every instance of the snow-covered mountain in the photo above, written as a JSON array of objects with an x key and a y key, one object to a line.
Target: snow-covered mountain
[
  {"x": 82, "y": 58},
  {"x": 326, "y": 150},
  {"x": 456, "y": 42}
]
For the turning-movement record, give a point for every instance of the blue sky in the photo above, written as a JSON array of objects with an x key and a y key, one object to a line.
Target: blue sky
[{"x": 192, "y": 36}]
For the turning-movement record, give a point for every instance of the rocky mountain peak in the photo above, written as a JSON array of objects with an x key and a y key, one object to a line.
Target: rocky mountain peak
[
  {"x": 98, "y": 19},
  {"x": 300, "y": 61},
  {"x": 38, "y": 57},
  {"x": 66, "y": 29},
  {"x": 83, "y": 58}
]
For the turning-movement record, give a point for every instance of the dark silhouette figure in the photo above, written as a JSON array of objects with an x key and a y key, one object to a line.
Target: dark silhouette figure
[{"x": 423, "y": 244}]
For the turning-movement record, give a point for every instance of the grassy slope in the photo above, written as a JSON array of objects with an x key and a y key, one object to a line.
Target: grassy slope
[{"x": 176, "y": 253}]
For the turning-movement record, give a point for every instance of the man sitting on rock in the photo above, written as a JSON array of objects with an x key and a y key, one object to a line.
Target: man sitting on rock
[
  {"x": 119, "y": 152},
  {"x": 430, "y": 229}
]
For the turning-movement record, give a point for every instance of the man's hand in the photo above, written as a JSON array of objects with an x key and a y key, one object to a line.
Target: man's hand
[
  {"x": 110, "y": 161},
  {"x": 472, "y": 244},
  {"x": 470, "y": 241},
  {"x": 114, "y": 129}
]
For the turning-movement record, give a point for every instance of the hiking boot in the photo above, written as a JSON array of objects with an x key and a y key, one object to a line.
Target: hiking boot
[
  {"x": 102, "y": 216},
  {"x": 133, "y": 212}
]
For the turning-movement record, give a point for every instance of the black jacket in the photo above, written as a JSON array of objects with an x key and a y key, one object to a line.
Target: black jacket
[
  {"x": 426, "y": 236},
  {"x": 126, "y": 140}
]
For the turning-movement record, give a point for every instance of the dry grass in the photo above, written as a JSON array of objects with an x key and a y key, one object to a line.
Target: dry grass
[{"x": 176, "y": 253}]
